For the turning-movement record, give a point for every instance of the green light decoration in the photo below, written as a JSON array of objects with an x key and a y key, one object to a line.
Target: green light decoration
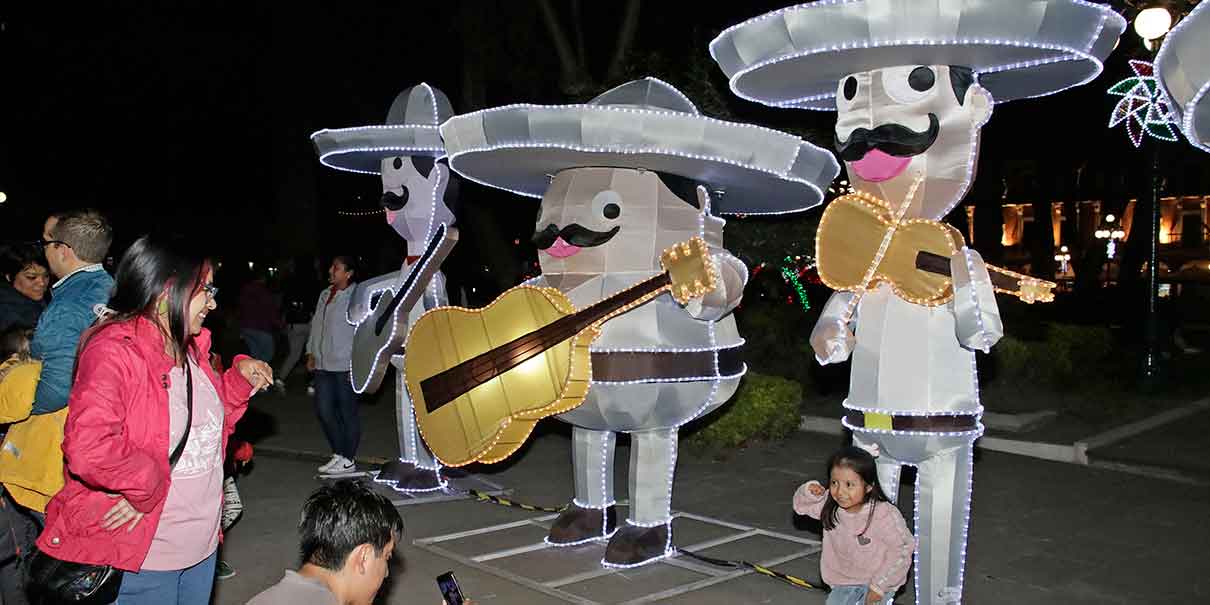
[
  {"x": 1143, "y": 108},
  {"x": 791, "y": 275}
]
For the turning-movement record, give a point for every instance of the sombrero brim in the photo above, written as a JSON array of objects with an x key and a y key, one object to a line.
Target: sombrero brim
[
  {"x": 519, "y": 147},
  {"x": 1183, "y": 68},
  {"x": 362, "y": 149},
  {"x": 795, "y": 57}
]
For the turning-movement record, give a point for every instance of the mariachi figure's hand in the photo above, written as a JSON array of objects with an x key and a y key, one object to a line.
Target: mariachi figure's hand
[{"x": 832, "y": 341}]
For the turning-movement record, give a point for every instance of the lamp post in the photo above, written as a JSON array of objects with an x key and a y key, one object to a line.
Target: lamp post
[
  {"x": 1151, "y": 24},
  {"x": 1063, "y": 257}
]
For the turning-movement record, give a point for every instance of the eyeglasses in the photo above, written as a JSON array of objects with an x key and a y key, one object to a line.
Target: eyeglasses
[
  {"x": 47, "y": 242},
  {"x": 211, "y": 291}
]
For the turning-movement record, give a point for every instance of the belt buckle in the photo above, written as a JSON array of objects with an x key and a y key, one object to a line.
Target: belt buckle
[{"x": 874, "y": 420}]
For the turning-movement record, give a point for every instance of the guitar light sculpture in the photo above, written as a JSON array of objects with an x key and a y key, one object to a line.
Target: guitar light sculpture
[
  {"x": 913, "y": 83},
  {"x": 417, "y": 194},
  {"x": 631, "y": 174}
]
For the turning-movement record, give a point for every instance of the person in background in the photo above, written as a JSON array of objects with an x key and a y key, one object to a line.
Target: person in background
[
  {"x": 24, "y": 485},
  {"x": 259, "y": 317},
  {"x": 23, "y": 289},
  {"x": 347, "y": 538},
  {"x": 329, "y": 353},
  {"x": 146, "y": 431},
  {"x": 297, "y": 308},
  {"x": 75, "y": 243}
]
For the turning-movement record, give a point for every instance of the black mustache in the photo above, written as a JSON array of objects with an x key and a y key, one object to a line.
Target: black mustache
[
  {"x": 394, "y": 202},
  {"x": 894, "y": 139},
  {"x": 574, "y": 234}
]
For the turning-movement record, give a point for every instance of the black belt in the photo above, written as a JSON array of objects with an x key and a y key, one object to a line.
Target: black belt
[
  {"x": 658, "y": 365},
  {"x": 941, "y": 423}
]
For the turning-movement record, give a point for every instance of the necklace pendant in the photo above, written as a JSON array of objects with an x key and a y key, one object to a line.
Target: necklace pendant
[{"x": 862, "y": 540}]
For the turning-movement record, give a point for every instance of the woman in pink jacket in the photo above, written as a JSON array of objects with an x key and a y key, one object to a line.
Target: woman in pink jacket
[{"x": 123, "y": 504}]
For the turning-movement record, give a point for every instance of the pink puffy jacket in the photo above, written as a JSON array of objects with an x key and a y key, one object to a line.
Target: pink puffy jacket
[{"x": 116, "y": 441}]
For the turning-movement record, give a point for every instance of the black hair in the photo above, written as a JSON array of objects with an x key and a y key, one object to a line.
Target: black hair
[
  {"x": 16, "y": 257},
  {"x": 683, "y": 188},
  {"x": 861, "y": 462},
  {"x": 351, "y": 264},
  {"x": 338, "y": 518},
  {"x": 14, "y": 340},
  {"x": 158, "y": 264},
  {"x": 961, "y": 79}
]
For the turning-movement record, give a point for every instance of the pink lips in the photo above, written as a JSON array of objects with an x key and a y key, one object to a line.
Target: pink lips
[
  {"x": 877, "y": 166},
  {"x": 561, "y": 249}
]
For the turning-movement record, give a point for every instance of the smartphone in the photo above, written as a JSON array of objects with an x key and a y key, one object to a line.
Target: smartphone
[{"x": 449, "y": 589}]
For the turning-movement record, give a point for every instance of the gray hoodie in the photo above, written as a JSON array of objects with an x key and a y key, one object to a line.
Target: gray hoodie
[{"x": 331, "y": 339}]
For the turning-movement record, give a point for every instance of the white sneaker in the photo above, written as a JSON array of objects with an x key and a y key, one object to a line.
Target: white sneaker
[
  {"x": 333, "y": 461},
  {"x": 343, "y": 466},
  {"x": 310, "y": 390}
]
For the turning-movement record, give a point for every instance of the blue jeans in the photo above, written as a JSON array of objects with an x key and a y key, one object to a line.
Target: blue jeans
[
  {"x": 260, "y": 344},
  {"x": 336, "y": 404},
  {"x": 851, "y": 595},
  {"x": 190, "y": 586}
]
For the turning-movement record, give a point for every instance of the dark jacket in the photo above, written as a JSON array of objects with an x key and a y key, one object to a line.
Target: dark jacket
[
  {"x": 70, "y": 312},
  {"x": 16, "y": 309}
]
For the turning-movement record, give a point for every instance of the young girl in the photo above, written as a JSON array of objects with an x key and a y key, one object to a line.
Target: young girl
[{"x": 867, "y": 548}]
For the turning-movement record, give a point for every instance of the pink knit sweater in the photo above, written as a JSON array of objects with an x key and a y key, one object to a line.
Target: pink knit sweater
[{"x": 881, "y": 563}]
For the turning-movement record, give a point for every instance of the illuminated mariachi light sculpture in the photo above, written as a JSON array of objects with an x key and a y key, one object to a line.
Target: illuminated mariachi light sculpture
[
  {"x": 913, "y": 83},
  {"x": 630, "y": 176},
  {"x": 417, "y": 191},
  {"x": 1183, "y": 70}
]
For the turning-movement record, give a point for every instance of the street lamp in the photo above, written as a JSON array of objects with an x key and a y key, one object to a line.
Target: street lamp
[
  {"x": 1111, "y": 232},
  {"x": 1152, "y": 23},
  {"x": 1063, "y": 257}
]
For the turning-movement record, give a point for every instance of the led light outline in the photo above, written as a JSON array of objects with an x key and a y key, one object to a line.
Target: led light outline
[
  {"x": 1073, "y": 53},
  {"x": 1187, "y": 110},
  {"x": 787, "y": 175}
]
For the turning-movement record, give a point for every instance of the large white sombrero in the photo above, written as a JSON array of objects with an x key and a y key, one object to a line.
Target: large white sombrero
[
  {"x": 644, "y": 124},
  {"x": 411, "y": 129},
  {"x": 794, "y": 57},
  {"x": 1183, "y": 69}
]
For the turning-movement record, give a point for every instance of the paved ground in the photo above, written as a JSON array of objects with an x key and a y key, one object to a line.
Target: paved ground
[{"x": 1042, "y": 532}]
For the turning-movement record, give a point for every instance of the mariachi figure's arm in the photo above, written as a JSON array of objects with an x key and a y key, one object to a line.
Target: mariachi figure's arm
[
  {"x": 832, "y": 338},
  {"x": 364, "y": 292},
  {"x": 732, "y": 277},
  {"x": 977, "y": 317},
  {"x": 435, "y": 294}
]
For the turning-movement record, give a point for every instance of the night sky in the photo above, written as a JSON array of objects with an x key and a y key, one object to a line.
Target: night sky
[{"x": 196, "y": 117}]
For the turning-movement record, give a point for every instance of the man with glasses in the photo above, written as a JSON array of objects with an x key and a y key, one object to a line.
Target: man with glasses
[
  {"x": 31, "y": 468},
  {"x": 76, "y": 242}
]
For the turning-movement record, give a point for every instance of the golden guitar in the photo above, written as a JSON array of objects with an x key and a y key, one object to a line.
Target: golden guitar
[
  {"x": 480, "y": 379},
  {"x": 858, "y": 237}
]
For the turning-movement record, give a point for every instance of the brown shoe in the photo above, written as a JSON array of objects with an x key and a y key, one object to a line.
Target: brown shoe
[
  {"x": 577, "y": 525},
  {"x": 635, "y": 545}
]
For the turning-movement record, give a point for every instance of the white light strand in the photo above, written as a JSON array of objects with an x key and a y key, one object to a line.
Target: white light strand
[
  {"x": 439, "y": 153},
  {"x": 970, "y": 272},
  {"x": 1187, "y": 111},
  {"x": 893, "y": 412},
  {"x": 658, "y": 349},
  {"x": 811, "y": 201},
  {"x": 394, "y": 328},
  {"x": 360, "y": 212},
  {"x": 433, "y": 104}
]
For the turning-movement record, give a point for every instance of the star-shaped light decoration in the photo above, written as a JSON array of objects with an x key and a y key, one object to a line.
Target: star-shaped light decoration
[{"x": 1143, "y": 107}]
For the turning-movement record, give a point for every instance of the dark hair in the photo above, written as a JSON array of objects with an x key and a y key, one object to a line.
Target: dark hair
[
  {"x": 338, "y": 518},
  {"x": 16, "y": 257},
  {"x": 683, "y": 188},
  {"x": 154, "y": 264},
  {"x": 87, "y": 232},
  {"x": 961, "y": 79},
  {"x": 861, "y": 462},
  {"x": 351, "y": 264},
  {"x": 14, "y": 340}
]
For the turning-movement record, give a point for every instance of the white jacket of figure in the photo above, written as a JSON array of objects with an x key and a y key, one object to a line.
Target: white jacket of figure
[
  {"x": 331, "y": 338},
  {"x": 661, "y": 325}
]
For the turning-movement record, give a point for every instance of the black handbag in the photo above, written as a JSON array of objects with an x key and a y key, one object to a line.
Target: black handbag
[{"x": 59, "y": 581}]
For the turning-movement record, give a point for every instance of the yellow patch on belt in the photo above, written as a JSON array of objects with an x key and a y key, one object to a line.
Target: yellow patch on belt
[{"x": 874, "y": 420}]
